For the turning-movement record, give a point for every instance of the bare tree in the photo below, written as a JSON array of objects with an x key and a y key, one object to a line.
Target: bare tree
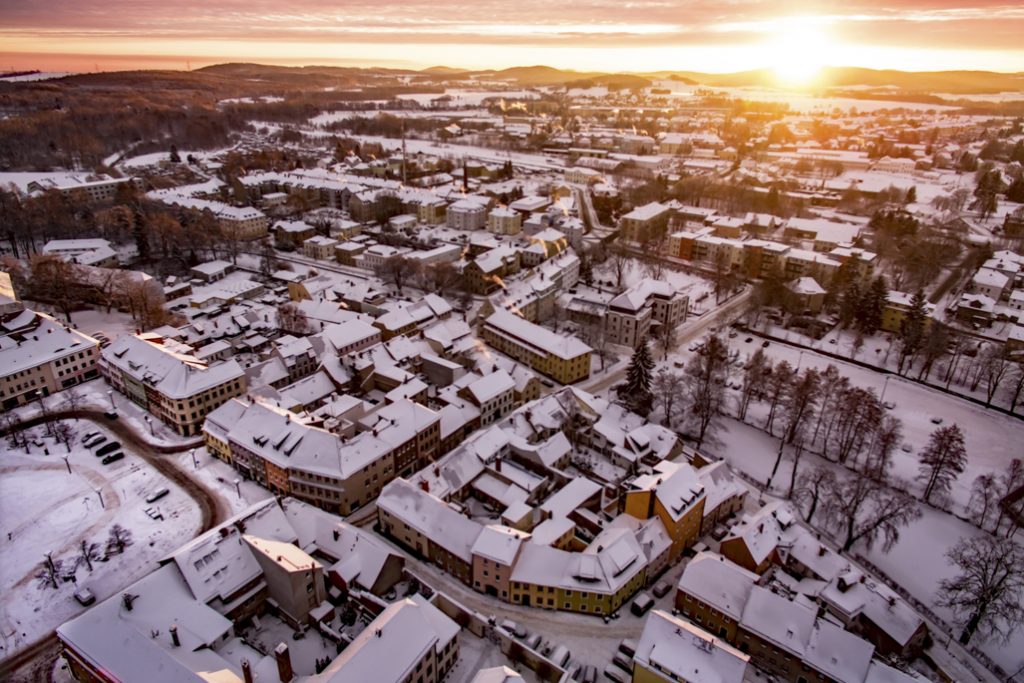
[
  {"x": 62, "y": 431},
  {"x": 995, "y": 363},
  {"x": 292, "y": 320},
  {"x": 668, "y": 388},
  {"x": 705, "y": 377},
  {"x": 753, "y": 377},
  {"x": 90, "y": 552},
  {"x": 860, "y": 508},
  {"x": 73, "y": 400},
  {"x": 812, "y": 488},
  {"x": 119, "y": 537},
  {"x": 399, "y": 271},
  {"x": 984, "y": 498},
  {"x": 52, "y": 570},
  {"x": 942, "y": 460},
  {"x": 56, "y": 281},
  {"x": 653, "y": 263},
  {"x": 987, "y": 596},
  {"x": 800, "y": 403},
  {"x": 1010, "y": 483},
  {"x": 777, "y": 384},
  {"x": 620, "y": 261}
]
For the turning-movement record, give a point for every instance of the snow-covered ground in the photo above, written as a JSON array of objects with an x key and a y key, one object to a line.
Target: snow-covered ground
[
  {"x": 45, "y": 509},
  {"x": 693, "y": 286},
  {"x": 993, "y": 439},
  {"x": 469, "y": 98}
]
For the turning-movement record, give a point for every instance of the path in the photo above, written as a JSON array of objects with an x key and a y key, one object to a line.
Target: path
[{"x": 35, "y": 661}]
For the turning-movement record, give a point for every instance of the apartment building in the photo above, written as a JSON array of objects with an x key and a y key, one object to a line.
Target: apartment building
[
  {"x": 319, "y": 247},
  {"x": 39, "y": 356},
  {"x": 645, "y": 222},
  {"x": 166, "y": 378},
  {"x": 565, "y": 359},
  {"x": 630, "y": 315},
  {"x": 671, "y": 650},
  {"x": 467, "y": 214},
  {"x": 83, "y": 189},
  {"x": 284, "y": 453},
  {"x": 505, "y": 221},
  {"x": 674, "y": 494}
]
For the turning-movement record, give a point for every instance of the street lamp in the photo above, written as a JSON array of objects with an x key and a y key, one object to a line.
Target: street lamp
[
  {"x": 66, "y": 463},
  {"x": 149, "y": 421},
  {"x": 99, "y": 495},
  {"x": 238, "y": 489},
  {"x": 800, "y": 359},
  {"x": 885, "y": 386},
  {"x": 110, "y": 395},
  {"x": 195, "y": 463}
]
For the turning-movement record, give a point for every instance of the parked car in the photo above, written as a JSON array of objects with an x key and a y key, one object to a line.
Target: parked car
[
  {"x": 157, "y": 495},
  {"x": 936, "y": 420},
  {"x": 89, "y": 435},
  {"x": 889, "y": 405},
  {"x": 109, "y": 447},
  {"x": 113, "y": 457},
  {"x": 764, "y": 344},
  {"x": 748, "y": 340},
  {"x": 623, "y": 662},
  {"x": 514, "y": 629},
  {"x": 627, "y": 646},
  {"x": 533, "y": 642},
  {"x": 84, "y": 596},
  {"x": 560, "y": 656},
  {"x": 615, "y": 675},
  {"x": 589, "y": 674},
  {"x": 94, "y": 441},
  {"x": 641, "y": 604},
  {"x": 661, "y": 589},
  {"x": 110, "y": 414}
]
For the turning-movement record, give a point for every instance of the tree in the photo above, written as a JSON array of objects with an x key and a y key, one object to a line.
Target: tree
[
  {"x": 870, "y": 306},
  {"x": 1009, "y": 484},
  {"x": 987, "y": 596},
  {"x": 73, "y": 400},
  {"x": 912, "y": 328},
  {"x": 636, "y": 392},
  {"x": 705, "y": 376},
  {"x": 119, "y": 537},
  {"x": 55, "y": 280},
  {"x": 398, "y": 270},
  {"x": 753, "y": 377},
  {"x": 667, "y": 388},
  {"x": 292, "y": 320},
  {"x": 996, "y": 363},
  {"x": 984, "y": 499},
  {"x": 860, "y": 508},
  {"x": 778, "y": 380},
  {"x": 63, "y": 432},
  {"x": 90, "y": 552},
  {"x": 942, "y": 460},
  {"x": 799, "y": 403},
  {"x": 811, "y": 489},
  {"x": 620, "y": 262}
]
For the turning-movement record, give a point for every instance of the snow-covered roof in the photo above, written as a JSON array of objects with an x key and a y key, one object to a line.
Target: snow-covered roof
[
  {"x": 722, "y": 584},
  {"x": 672, "y": 645},
  {"x": 431, "y": 517},
  {"x": 499, "y": 543},
  {"x": 31, "y": 339},
  {"x": 541, "y": 340},
  {"x": 170, "y": 368},
  {"x": 571, "y": 496},
  {"x": 392, "y": 645}
]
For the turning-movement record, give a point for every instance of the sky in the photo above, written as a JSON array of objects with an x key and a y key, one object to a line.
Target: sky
[{"x": 794, "y": 36}]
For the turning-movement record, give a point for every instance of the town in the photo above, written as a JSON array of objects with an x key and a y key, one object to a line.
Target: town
[{"x": 416, "y": 376}]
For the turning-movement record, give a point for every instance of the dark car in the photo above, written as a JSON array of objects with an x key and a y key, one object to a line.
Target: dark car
[
  {"x": 110, "y": 414},
  {"x": 109, "y": 448},
  {"x": 113, "y": 457},
  {"x": 764, "y": 345}
]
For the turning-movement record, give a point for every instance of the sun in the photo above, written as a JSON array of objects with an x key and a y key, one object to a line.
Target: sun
[{"x": 797, "y": 49}]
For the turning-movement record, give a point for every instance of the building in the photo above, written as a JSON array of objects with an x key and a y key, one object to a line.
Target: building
[
  {"x": 290, "y": 235},
  {"x": 505, "y": 221},
  {"x": 87, "y": 252},
  {"x": 630, "y": 316},
  {"x": 671, "y": 650},
  {"x": 712, "y": 593},
  {"x": 804, "y": 295},
  {"x": 895, "y": 311},
  {"x": 645, "y": 222},
  {"x": 39, "y": 356},
  {"x": 467, "y": 214},
  {"x": 754, "y": 542},
  {"x": 675, "y": 495},
  {"x": 287, "y": 455},
  {"x": 563, "y": 358},
  {"x": 410, "y": 641},
  {"x": 320, "y": 247},
  {"x": 211, "y": 271},
  {"x": 167, "y": 379},
  {"x": 83, "y": 189}
]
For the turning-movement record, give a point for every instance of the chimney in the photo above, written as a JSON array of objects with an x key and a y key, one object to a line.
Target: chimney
[
  {"x": 127, "y": 599},
  {"x": 284, "y": 663},
  {"x": 425, "y": 485},
  {"x": 497, "y": 463},
  {"x": 174, "y": 635},
  {"x": 336, "y": 534},
  {"x": 246, "y": 671}
]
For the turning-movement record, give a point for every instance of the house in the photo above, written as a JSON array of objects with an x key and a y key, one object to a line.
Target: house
[
  {"x": 675, "y": 495},
  {"x": 897, "y": 304},
  {"x": 712, "y": 592},
  {"x": 467, "y": 214},
  {"x": 804, "y": 295},
  {"x": 671, "y": 649},
  {"x": 319, "y": 247},
  {"x": 290, "y": 235},
  {"x": 754, "y": 542}
]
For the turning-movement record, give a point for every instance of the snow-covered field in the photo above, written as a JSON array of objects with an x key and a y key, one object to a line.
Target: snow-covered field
[
  {"x": 469, "y": 98},
  {"x": 694, "y": 286},
  {"x": 45, "y": 509},
  {"x": 993, "y": 439}
]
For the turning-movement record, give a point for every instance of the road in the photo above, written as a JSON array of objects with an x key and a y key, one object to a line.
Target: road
[
  {"x": 686, "y": 333},
  {"x": 35, "y": 662}
]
